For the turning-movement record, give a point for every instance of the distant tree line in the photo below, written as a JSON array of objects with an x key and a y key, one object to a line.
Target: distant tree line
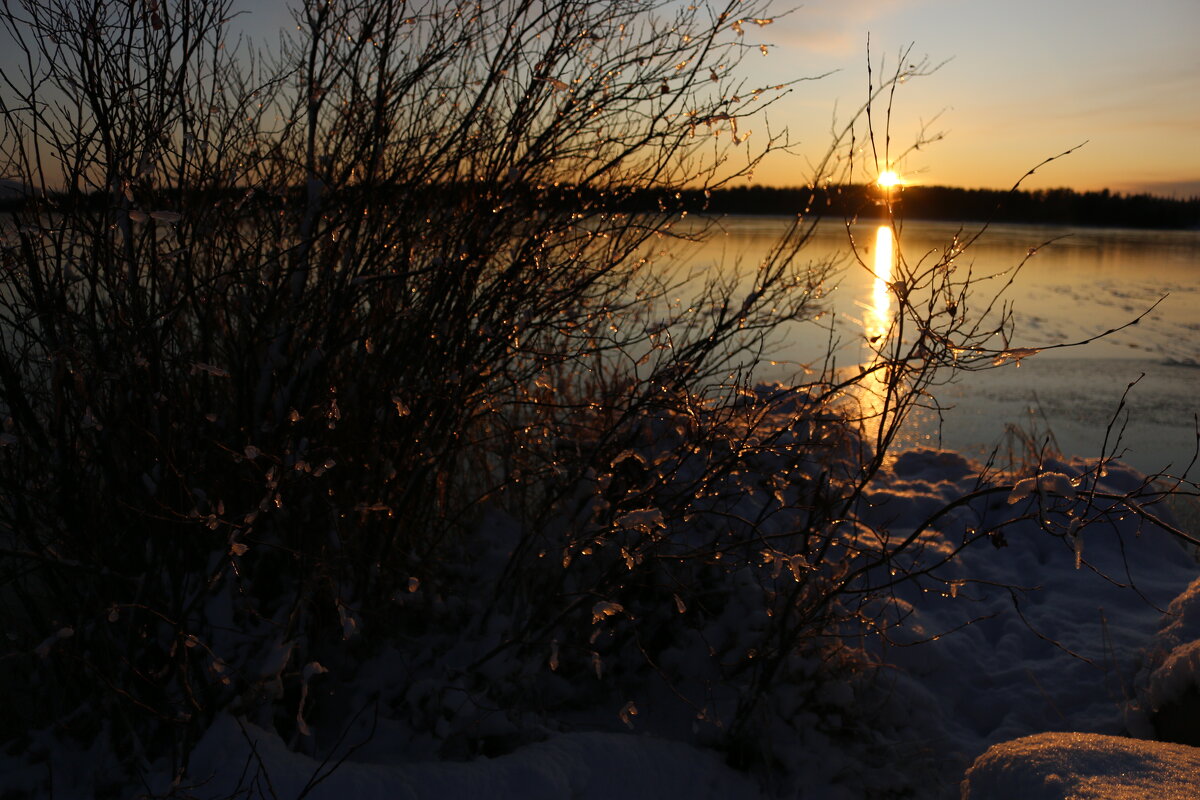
[
  {"x": 850, "y": 201},
  {"x": 1046, "y": 206}
]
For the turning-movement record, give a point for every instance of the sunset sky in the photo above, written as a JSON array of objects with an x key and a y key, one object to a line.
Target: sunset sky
[{"x": 1024, "y": 80}]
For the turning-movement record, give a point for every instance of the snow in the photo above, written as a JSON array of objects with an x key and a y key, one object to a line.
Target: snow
[
  {"x": 1051, "y": 653},
  {"x": 238, "y": 757},
  {"x": 1044, "y": 483},
  {"x": 1080, "y": 766},
  {"x": 1029, "y": 654},
  {"x": 1167, "y": 685},
  {"x": 964, "y": 669},
  {"x": 1178, "y": 671}
]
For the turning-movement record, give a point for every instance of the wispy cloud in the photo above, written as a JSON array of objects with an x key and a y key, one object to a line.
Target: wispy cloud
[{"x": 838, "y": 28}]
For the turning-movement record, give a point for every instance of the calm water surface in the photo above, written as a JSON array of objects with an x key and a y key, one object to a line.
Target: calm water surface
[{"x": 1080, "y": 283}]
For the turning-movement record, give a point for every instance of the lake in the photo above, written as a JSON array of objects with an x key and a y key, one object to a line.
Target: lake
[{"x": 1080, "y": 283}]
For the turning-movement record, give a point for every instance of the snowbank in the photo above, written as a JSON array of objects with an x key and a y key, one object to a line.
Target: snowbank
[
  {"x": 1037, "y": 633},
  {"x": 1080, "y": 766},
  {"x": 1036, "y": 642},
  {"x": 238, "y": 759},
  {"x": 1168, "y": 684},
  {"x": 1002, "y": 636}
]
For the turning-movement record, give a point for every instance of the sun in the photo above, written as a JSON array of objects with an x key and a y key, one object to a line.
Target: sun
[{"x": 888, "y": 179}]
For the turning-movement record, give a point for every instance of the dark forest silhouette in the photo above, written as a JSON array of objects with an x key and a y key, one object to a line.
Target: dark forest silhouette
[
  {"x": 1059, "y": 206},
  {"x": 1044, "y": 206}
]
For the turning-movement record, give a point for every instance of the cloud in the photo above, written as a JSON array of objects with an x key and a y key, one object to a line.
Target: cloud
[{"x": 833, "y": 27}]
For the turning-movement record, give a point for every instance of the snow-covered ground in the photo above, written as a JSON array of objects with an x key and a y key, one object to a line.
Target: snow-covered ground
[
  {"x": 1080, "y": 644},
  {"x": 1082, "y": 766},
  {"x": 1096, "y": 633},
  {"x": 586, "y": 766}
]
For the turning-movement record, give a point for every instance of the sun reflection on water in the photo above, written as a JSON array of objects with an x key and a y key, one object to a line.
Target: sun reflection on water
[
  {"x": 877, "y": 320},
  {"x": 880, "y": 311}
]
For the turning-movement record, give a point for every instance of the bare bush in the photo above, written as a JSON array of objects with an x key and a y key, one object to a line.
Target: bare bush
[{"x": 368, "y": 342}]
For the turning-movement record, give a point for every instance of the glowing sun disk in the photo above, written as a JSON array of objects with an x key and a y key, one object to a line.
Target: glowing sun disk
[{"x": 887, "y": 179}]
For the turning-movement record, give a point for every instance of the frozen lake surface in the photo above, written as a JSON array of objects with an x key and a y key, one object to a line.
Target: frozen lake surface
[{"x": 1080, "y": 283}]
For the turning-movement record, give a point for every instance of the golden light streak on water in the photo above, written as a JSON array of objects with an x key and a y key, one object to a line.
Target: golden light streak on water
[
  {"x": 876, "y": 324},
  {"x": 880, "y": 312}
]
